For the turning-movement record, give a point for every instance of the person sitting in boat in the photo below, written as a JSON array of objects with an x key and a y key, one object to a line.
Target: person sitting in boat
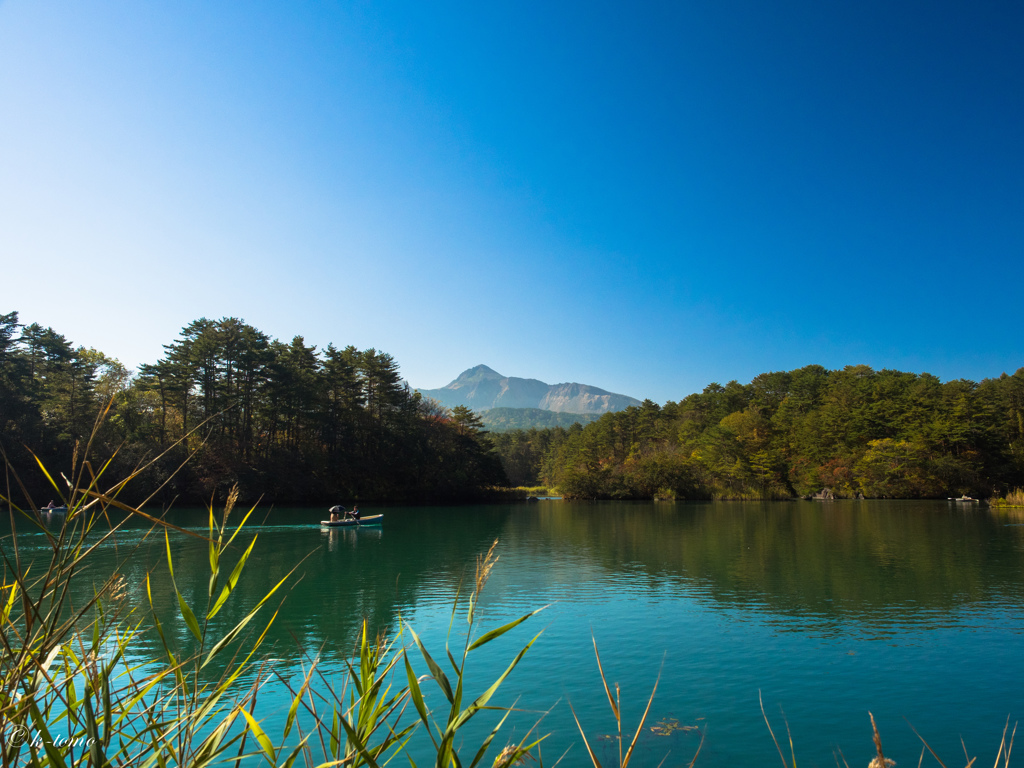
[
  {"x": 355, "y": 513},
  {"x": 50, "y": 505},
  {"x": 336, "y": 513}
]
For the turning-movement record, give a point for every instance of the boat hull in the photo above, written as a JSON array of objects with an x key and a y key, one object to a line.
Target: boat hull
[{"x": 363, "y": 523}]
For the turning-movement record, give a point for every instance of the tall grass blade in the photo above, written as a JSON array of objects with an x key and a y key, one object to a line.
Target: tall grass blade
[
  {"x": 590, "y": 751},
  {"x": 640, "y": 727},
  {"x": 693, "y": 761},
  {"x": 926, "y": 744},
  {"x": 604, "y": 680},
  {"x": 765, "y": 716},
  {"x": 877, "y": 738}
]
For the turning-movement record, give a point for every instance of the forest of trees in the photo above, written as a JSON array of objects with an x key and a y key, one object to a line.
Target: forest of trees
[
  {"x": 295, "y": 424},
  {"x": 855, "y": 430},
  {"x": 288, "y": 422}
]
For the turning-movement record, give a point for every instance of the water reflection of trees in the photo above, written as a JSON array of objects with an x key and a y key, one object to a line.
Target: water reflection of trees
[
  {"x": 855, "y": 558},
  {"x": 848, "y": 561}
]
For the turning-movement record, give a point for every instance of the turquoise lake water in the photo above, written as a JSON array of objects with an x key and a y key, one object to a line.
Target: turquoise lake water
[{"x": 911, "y": 610}]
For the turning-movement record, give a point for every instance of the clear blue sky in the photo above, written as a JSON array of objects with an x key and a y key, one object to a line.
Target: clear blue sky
[{"x": 646, "y": 197}]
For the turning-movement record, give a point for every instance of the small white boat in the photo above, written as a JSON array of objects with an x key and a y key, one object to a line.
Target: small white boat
[
  {"x": 350, "y": 523},
  {"x": 966, "y": 500}
]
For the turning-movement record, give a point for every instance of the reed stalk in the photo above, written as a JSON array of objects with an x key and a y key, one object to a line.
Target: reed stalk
[{"x": 615, "y": 703}]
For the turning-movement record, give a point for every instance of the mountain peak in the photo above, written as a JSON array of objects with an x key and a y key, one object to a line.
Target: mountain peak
[
  {"x": 481, "y": 388},
  {"x": 477, "y": 373}
]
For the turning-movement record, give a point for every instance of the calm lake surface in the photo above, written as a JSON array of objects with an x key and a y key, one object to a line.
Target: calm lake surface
[{"x": 910, "y": 610}]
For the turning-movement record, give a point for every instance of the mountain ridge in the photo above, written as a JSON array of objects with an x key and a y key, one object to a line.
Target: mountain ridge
[{"x": 482, "y": 388}]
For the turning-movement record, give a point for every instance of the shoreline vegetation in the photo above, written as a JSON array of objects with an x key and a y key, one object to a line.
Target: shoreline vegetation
[
  {"x": 292, "y": 424},
  {"x": 850, "y": 433},
  {"x": 1014, "y": 498}
]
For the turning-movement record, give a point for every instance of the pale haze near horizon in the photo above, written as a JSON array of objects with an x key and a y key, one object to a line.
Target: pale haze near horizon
[{"x": 645, "y": 199}]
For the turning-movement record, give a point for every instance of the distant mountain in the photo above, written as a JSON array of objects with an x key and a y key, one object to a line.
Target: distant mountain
[
  {"x": 482, "y": 388},
  {"x": 509, "y": 419}
]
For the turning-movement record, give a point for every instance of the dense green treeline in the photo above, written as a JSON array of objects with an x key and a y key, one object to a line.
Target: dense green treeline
[
  {"x": 298, "y": 424},
  {"x": 856, "y": 431},
  {"x": 286, "y": 421}
]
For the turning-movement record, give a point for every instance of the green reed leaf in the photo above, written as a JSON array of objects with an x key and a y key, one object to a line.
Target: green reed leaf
[
  {"x": 52, "y": 752},
  {"x": 435, "y": 670},
  {"x": 295, "y": 753},
  {"x": 190, "y": 618},
  {"x": 496, "y": 633},
  {"x": 484, "y": 697},
  {"x": 210, "y": 750},
  {"x": 487, "y": 741},
  {"x": 416, "y": 693},
  {"x": 214, "y": 560},
  {"x": 170, "y": 560},
  {"x": 96, "y": 757},
  {"x": 236, "y": 574},
  {"x": 238, "y": 528},
  {"x": 296, "y": 700},
  {"x": 48, "y": 476},
  {"x": 335, "y": 734},
  {"x": 261, "y": 738},
  {"x": 358, "y": 743},
  {"x": 232, "y": 634}
]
